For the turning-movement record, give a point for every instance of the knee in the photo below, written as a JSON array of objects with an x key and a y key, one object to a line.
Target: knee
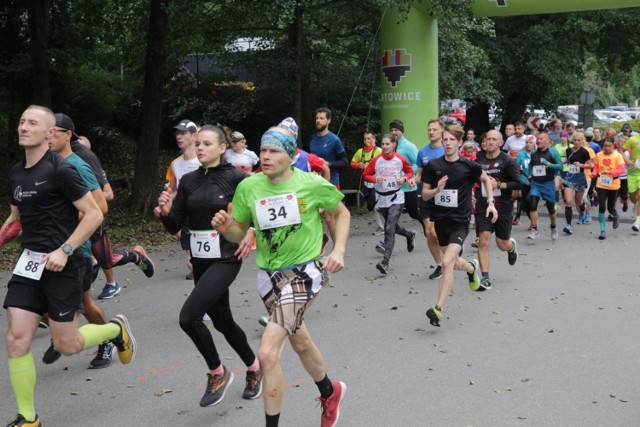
[
  {"x": 67, "y": 346},
  {"x": 268, "y": 356},
  {"x": 187, "y": 321}
]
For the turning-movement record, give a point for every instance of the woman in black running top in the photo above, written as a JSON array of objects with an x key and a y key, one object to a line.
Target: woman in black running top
[{"x": 216, "y": 262}]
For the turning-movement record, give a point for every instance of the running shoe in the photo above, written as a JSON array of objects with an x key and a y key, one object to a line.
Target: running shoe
[
  {"x": 534, "y": 234},
  {"x": 625, "y": 206},
  {"x": 474, "y": 279},
  {"x": 331, "y": 404},
  {"x": 216, "y": 387},
  {"x": 410, "y": 241},
  {"x": 610, "y": 217},
  {"x": 21, "y": 422},
  {"x": 144, "y": 262},
  {"x": 124, "y": 342},
  {"x": 253, "y": 389},
  {"x": 263, "y": 320},
  {"x": 189, "y": 276},
  {"x": 435, "y": 315},
  {"x": 587, "y": 218},
  {"x": 616, "y": 221},
  {"x": 516, "y": 222},
  {"x": 380, "y": 248},
  {"x": 554, "y": 233},
  {"x": 383, "y": 267},
  {"x": 636, "y": 226},
  {"x": 437, "y": 273},
  {"x": 485, "y": 283},
  {"x": 580, "y": 219},
  {"x": 602, "y": 235},
  {"x": 50, "y": 355},
  {"x": 379, "y": 231},
  {"x": 567, "y": 229},
  {"x": 474, "y": 244},
  {"x": 512, "y": 255},
  {"x": 104, "y": 356},
  {"x": 109, "y": 291}
]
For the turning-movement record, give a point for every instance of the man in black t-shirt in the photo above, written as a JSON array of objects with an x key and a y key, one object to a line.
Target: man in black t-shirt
[
  {"x": 48, "y": 197},
  {"x": 449, "y": 181},
  {"x": 505, "y": 178}
]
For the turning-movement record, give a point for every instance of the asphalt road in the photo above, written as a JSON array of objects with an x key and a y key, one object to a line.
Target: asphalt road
[{"x": 554, "y": 343}]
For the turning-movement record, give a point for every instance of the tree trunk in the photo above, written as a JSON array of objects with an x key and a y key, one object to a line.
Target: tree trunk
[
  {"x": 296, "y": 47},
  {"x": 39, "y": 29},
  {"x": 145, "y": 190},
  {"x": 514, "y": 109}
]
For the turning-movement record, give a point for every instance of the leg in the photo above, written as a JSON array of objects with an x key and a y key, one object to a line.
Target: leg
[
  {"x": 450, "y": 262},
  {"x": 483, "y": 250},
  {"x": 270, "y": 353},
  {"x": 432, "y": 241}
]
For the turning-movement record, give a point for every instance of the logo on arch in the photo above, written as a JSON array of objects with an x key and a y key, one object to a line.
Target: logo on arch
[{"x": 396, "y": 63}]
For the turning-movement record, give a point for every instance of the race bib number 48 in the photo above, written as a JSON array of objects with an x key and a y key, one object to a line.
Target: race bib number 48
[
  {"x": 278, "y": 211},
  {"x": 29, "y": 265}
]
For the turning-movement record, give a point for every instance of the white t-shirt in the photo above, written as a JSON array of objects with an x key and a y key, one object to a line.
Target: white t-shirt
[
  {"x": 179, "y": 166},
  {"x": 515, "y": 144},
  {"x": 244, "y": 161}
]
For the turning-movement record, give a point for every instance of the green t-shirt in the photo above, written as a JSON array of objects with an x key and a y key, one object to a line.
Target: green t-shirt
[
  {"x": 90, "y": 180},
  {"x": 633, "y": 145},
  {"x": 562, "y": 150},
  {"x": 288, "y": 245}
]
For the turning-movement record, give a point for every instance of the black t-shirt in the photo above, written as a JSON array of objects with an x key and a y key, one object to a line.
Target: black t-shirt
[
  {"x": 201, "y": 194},
  {"x": 581, "y": 155},
  {"x": 462, "y": 174},
  {"x": 92, "y": 160},
  {"x": 504, "y": 169},
  {"x": 44, "y": 195}
]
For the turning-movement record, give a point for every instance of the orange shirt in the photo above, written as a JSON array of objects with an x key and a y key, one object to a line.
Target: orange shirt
[{"x": 613, "y": 164}]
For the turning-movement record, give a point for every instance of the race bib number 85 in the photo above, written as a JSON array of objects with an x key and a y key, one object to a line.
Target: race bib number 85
[{"x": 447, "y": 198}]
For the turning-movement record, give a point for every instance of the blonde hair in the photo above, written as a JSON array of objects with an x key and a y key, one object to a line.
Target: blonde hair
[{"x": 456, "y": 131}]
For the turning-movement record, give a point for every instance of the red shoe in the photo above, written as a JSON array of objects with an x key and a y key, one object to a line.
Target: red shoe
[
  {"x": 516, "y": 222},
  {"x": 331, "y": 404}
]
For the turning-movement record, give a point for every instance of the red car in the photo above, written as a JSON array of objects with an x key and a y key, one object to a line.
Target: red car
[{"x": 458, "y": 113}]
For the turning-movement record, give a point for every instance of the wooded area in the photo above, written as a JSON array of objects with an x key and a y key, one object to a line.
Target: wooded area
[{"x": 118, "y": 68}]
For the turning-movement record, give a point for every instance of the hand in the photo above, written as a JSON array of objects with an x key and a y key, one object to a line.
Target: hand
[
  {"x": 491, "y": 210},
  {"x": 55, "y": 260},
  {"x": 165, "y": 201},
  {"x": 244, "y": 250},
  {"x": 334, "y": 262},
  {"x": 222, "y": 220},
  {"x": 442, "y": 183},
  {"x": 411, "y": 182}
]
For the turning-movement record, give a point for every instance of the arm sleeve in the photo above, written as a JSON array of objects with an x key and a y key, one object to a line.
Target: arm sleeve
[
  {"x": 356, "y": 159},
  {"x": 369, "y": 173},
  {"x": 557, "y": 161},
  {"x": 619, "y": 170},
  {"x": 315, "y": 163},
  {"x": 513, "y": 176},
  {"x": 342, "y": 161}
]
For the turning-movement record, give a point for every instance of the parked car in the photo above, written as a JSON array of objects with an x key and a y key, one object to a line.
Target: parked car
[{"x": 616, "y": 116}]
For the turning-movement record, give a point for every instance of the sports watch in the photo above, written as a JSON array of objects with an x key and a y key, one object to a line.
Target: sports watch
[{"x": 67, "y": 249}]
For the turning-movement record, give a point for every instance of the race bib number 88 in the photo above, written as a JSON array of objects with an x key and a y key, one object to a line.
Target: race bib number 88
[{"x": 29, "y": 265}]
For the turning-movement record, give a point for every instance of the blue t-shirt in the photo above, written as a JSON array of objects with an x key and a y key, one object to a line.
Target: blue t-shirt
[
  {"x": 330, "y": 148},
  {"x": 428, "y": 153},
  {"x": 409, "y": 151},
  {"x": 595, "y": 147}
]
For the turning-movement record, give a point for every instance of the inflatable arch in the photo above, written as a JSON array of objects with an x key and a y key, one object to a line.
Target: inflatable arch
[{"x": 409, "y": 54}]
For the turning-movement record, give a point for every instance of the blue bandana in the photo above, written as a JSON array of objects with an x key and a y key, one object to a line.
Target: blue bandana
[{"x": 272, "y": 138}]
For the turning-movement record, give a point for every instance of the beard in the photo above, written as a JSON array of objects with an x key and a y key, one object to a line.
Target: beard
[{"x": 321, "y": 128}]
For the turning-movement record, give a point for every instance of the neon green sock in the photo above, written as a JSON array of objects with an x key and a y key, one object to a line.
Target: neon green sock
[
  {"x": 22, "y": 372},
  {"x": 97, "y": 334}
]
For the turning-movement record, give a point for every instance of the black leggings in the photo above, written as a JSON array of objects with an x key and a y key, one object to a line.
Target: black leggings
[
  {"x": 411, "y": 204},
  {"x": 606, "y": 200},
  {"x": 211, "y": 296},
  {"x": 533, "y": 206}
]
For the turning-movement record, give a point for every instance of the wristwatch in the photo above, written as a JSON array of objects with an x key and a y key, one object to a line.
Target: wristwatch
[
  {"x": 491, "y": 200},
  {"x": 67, "y": 249}
]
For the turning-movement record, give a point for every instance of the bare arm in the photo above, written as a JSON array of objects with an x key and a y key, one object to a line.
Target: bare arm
[
  {"x": 108, "y": 192},
  {"x": 231, "y": 229},
  {"x": 342, "y": 218}
]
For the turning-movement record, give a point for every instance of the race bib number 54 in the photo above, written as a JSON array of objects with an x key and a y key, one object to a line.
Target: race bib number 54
[
  {"x": 29, "y": 265},
  {"x": 278, "y": 211}
]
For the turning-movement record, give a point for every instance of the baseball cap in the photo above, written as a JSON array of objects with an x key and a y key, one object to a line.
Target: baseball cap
[
  {"x": 589, "y": 134},
  {"x": 186, "y": 125},
  {"x": 237, "y": 136},
  {"x": 63, "y": 121}
]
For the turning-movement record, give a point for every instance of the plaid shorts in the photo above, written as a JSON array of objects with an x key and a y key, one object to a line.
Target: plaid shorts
[{"x": 287, "y": 293}]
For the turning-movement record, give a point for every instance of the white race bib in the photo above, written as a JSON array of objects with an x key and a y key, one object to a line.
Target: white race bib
[
  {"x": 606, "y": 180},
  {"x": 526, "y": 163},
  {"x": 539, "y": 170},
  {"x": 205, "y": 243},
  {"x": 447, "y": 198},
  {"x": 637, "y": 163},
  {"x": 573, "y": 169},
  {"x": 389, "y": 183},
  {"x": 278, "y": 211},
  {"x": 29, "y": 265}
]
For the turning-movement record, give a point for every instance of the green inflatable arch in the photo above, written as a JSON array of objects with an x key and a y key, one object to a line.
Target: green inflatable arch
[{"x": 409, "y": 53}]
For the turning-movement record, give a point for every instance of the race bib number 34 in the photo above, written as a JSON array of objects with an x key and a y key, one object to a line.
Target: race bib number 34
[
  {"x": 29, "y": 265},
  {"x": 278, "y": 211}
]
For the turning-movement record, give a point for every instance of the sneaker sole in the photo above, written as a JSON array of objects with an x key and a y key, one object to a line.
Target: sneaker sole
[
  {"x": 475, "y": 283},
  {"x": 433, "y": 318},
  {"x": 134, "y": 346},
  {"x": 380, "y": 250},
  {"x": 515, "y": 252},
  {"x": 381, "y": 269},
  {"x": 226, "y": 387}
]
